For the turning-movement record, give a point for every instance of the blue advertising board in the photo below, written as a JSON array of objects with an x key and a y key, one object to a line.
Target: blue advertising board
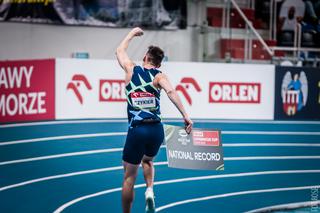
[{"x": 297, "y": 93}]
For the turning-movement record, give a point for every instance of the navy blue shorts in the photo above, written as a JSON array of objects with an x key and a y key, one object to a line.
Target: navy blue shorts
[{"x": 142, "y": 139}]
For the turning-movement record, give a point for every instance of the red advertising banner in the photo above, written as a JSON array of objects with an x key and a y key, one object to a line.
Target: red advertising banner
[{"x": 27, "y": 90}]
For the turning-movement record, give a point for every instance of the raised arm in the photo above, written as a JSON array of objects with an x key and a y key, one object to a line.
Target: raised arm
[
  {"x": 163, "y": 82},
  {"x": 125, "y": 62}
]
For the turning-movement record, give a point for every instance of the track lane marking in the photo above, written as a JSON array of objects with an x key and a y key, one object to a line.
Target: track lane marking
[
  {"x": 74, "y": 201},
  {"x": 98, "y": 151},
  {"x": 286, "y": 206},
  {"x": 170, "y": 205},
  {"x": 62, "y": 137}
]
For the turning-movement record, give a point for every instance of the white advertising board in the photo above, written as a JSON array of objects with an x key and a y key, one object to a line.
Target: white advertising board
[
  {"x": 89, "y": 89},
  {"x": 95, "y": 89},
  {"x": 222, "y": 91}
]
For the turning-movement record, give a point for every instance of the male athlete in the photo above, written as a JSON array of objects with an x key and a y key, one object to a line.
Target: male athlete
[{"x": 145, "y": 133}]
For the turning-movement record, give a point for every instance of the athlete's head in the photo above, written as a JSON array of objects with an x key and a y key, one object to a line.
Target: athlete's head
[{"x": 154, "y": 56}]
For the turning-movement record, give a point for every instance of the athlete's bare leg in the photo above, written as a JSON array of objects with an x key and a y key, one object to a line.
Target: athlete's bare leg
[
  {"x": 130, "y": 174},
  {"x": 148, "y": 170}
]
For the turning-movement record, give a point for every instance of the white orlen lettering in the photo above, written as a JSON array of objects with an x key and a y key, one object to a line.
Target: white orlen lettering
[
  {"x": 116, "y": 91},
  {"x": 113, "y": 90},
  {"x": 243, "y": 93},
  {"x": 252, "y": 93},
  {"x": 234, "y": 93},
  {"x": 106, "y": 90},
  {"x": 234, "y": 96},
  {"x": 216, "y": 92},
  {"x": 226, "y": 94}
]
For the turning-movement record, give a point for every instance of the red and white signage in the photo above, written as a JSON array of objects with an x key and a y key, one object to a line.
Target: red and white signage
[
  {"x": 96, "y": 89},
  {"x": 112, "y": 90},
  {"x": 221, "y": 91},
  {"x": 234, "y": 92},
  {"x": 205, "y": 138},
  {"x": 89, "y": 89},
  {"x": 27, "y": 90}
]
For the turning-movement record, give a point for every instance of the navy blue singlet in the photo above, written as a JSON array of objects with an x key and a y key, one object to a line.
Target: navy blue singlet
[{"x": 142, "y": 97}]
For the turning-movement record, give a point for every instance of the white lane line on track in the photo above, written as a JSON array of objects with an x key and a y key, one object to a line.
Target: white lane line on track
[
  {"x": 170, "y": 205},
  {"x": 70, "y": 203},
  {"x": 165, "y": 120},
  {"x": 286, "y": 206},
  {"x": 34, "y": 140},
  {"x": 61, "y": 156},
  {"x": 70, "y": 175},
  {"x": 104, "y": 170},
  {"x": 98, "y": 151},
  {"x": 107, "y": 169},
  {"x": 62, "y": 137}
]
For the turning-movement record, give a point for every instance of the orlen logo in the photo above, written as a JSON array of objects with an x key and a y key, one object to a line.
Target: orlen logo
[
  {"x": 294, "y": 92},
  {"x": 75, "y": 83},
  {"x": 234, "y": 92},
  {"x": 112, "y": 90},
  {"x": 184, "y": 85}
]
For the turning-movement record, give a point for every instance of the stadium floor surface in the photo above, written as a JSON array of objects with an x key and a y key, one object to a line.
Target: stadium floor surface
[{"x": 75, "y": 166}]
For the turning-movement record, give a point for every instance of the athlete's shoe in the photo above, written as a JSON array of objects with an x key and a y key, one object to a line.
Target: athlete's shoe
[{"x": 150, "y": 204}]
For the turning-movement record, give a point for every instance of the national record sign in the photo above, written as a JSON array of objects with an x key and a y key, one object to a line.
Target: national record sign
[{"x": 201, "y": 149}]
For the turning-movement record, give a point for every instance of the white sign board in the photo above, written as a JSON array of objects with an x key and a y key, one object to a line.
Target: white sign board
[{"x": 96, "y": 89}]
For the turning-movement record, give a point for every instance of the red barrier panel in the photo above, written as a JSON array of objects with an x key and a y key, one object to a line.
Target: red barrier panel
[{"x": 27, "y": 90}]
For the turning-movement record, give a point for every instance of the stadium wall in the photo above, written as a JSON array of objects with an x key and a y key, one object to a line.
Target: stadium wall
[{"x": 33, "y": 41}]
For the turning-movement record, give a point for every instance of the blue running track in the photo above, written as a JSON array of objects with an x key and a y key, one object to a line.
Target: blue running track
[{"x": 75, "y": 166}]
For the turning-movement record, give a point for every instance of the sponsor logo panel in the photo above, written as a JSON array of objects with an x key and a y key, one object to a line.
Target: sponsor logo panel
[
  {"x": 112, "y": 90},
  {"x": 297, "y": 93},
  {"x": 234, "y": 92},
  {"x": 96, "y": 89},
  {"x": 27, "y": 90}
]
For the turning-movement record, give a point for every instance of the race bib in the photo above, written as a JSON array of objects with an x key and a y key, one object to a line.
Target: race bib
[{"x": 143, "y": 100}]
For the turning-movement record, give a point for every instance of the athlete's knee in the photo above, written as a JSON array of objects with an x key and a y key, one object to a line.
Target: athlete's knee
[
  {"x": 128, "y": 182},
  {"x": 147, "y": 159},
  {"x": 130, "y": 175}
]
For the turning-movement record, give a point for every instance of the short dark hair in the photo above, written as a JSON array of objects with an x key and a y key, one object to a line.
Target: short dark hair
[{"x": 155, "y": 55}]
